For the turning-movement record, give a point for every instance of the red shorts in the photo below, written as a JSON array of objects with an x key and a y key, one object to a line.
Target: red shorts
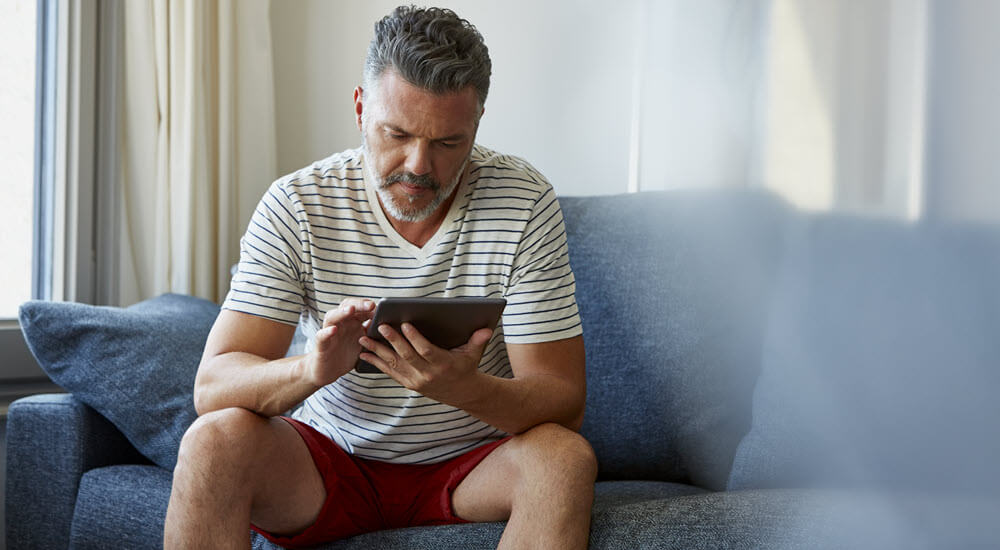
[{"x": 367, "y": 495}]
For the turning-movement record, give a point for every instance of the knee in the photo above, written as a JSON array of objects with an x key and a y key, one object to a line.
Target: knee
[
  {"x": 220, "y": 436},
  {"x": 556, "y": 452}
]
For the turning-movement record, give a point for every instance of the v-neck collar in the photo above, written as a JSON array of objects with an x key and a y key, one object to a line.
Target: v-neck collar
[{"x": 449, "y": 222}]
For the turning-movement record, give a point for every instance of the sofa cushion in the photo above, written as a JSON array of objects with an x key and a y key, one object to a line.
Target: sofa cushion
[
  {"x": 129, "y": 504},
  {"x": 880, "y": 362},
  {"x": 121, "y": 506},
  {"x": 798, "y": 518},
  {"x": 671, "y": 288},
  {"x": 125, "y": 506},
  {"x": 134, "y": 365}
]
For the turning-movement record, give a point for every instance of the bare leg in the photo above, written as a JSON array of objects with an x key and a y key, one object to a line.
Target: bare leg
[
  {"x": 234, "y": 468},
  {"x": 542, "y": 482}
]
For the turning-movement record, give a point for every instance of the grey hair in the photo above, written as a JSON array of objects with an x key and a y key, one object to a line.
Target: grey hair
[{"x": 431, "y": 48}]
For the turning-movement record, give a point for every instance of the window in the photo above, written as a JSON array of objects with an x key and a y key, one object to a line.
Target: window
[
  {"x": 17, "y": 151},
  {"x": 58, "y": 67}
]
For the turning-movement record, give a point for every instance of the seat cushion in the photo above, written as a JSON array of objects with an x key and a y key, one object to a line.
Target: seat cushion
[
  {"x": 608, "y": 495},
  {"x": 134, "y": 365},
  {"x": 125, "y": 507},
  {"x": 799, "y": 518}
]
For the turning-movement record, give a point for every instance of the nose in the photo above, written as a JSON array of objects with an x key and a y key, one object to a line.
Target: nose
[{"x": 418, "y": 158}]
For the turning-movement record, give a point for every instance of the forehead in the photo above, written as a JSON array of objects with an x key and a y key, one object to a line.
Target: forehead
[{"x": 398, "y": 103}]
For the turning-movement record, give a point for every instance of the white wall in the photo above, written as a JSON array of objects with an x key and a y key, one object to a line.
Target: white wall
[
  {"x": 886, "y": 106},
  {"x": 963, "y": 149},
  {"x": 560, "y": 95},
  {"x": 700, "y": 75}
]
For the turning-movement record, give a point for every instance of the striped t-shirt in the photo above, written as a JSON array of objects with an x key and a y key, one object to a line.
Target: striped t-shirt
[{"x": 319, "y": 236}]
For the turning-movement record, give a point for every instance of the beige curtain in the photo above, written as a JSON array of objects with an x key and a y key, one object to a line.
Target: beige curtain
[
  {"x": 822, "y": 102},
  {"x": 197, "y": 146}
]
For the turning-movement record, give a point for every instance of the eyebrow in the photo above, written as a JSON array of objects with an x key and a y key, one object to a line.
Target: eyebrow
[{"x": 397, "y": 129}]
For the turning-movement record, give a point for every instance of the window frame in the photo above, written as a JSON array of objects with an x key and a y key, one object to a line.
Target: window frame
[{"x": 76, "y": 210}]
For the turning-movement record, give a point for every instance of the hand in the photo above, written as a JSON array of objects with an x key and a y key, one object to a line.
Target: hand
[
  {"x": 419, "y": 365},
  {"x": 337, "y": 346}
]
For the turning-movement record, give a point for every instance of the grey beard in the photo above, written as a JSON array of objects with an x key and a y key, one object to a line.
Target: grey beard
[{"x": 397, "y": 210}]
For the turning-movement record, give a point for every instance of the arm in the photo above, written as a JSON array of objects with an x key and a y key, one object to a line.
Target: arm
[
  {"x": 243, "y": 364},
  {"x": 549, "y": 383}
]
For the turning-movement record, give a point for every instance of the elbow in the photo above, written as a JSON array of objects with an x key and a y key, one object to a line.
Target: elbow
[
  {"x": 203, "y": 401},
  {"x": 202, "y": 404},
  {"x": 575, "y": 422}
]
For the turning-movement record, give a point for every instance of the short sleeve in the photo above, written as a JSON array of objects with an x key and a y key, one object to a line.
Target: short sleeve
[
  {"x": 541, "y": 302},
  {"x": 268, "y": 281}
]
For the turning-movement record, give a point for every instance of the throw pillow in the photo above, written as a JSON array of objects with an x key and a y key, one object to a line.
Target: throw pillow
[{"x": 134, "y": 365}]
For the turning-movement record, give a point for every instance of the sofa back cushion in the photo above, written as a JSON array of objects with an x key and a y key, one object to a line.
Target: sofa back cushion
[
  {"x": 881, "y": 360},
  {"x": 134, "y": 365},
  {"x": 671, "y": 288}
]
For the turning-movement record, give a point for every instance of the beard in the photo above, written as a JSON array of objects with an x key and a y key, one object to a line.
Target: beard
[{"x": 404, "y": 208}]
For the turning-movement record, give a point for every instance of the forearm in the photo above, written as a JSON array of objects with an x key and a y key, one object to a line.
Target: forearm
[
  {"x": 238, "y": 379},
  {"x": 518, "y": 404}
]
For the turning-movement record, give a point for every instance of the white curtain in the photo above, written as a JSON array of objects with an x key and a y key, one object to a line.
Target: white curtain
[
  {"x": 826, "y": 103},
  {"x": 197, "y": 141}
]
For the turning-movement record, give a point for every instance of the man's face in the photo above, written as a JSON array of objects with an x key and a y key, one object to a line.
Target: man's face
[{"x": 416, "y": 143}]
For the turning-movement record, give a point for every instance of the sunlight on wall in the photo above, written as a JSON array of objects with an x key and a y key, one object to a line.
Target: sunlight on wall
[{"x": 798, "y": 152}]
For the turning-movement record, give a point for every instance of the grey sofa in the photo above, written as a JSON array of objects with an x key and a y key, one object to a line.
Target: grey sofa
[{"x": 758, "y": 377}]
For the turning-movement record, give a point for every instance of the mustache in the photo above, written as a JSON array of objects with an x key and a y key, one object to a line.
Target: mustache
[{"x": 425, "y": 181}]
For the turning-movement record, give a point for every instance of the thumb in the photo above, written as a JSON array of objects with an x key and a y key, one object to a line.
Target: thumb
[{"x": 478, "y": 340}]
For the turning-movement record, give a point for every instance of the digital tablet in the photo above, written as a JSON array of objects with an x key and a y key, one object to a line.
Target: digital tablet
[{"x": 446, "y": 322}]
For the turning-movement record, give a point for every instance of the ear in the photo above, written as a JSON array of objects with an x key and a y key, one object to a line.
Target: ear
[{"x": 359, "y": 94}]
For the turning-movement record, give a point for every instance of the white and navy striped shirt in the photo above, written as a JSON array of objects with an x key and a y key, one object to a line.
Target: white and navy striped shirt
[{"x": 319, "y": 236}]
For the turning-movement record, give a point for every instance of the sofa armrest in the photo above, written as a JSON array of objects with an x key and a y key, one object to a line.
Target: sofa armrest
[{"x": 52, "y": 439}]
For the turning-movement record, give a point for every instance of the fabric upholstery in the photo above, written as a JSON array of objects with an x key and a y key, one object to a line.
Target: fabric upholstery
[
  {"x": 130, "y": 501},
  {"x": 880, "y": 362},
  {"x": 134, "y": 365},
  {"x": 51, "y": 441},
  {"x": 864, "y": 352},
  {"x": 671, "y": 288},
  {"x": 127, "y": 500}
]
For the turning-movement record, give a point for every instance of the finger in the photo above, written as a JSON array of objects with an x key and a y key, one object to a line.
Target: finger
[
  {"x": 421, "y": 345},
  {"x": 399, "y": 343},
  {"x": 376, "y": 362},
  {"x": 384, "y": 355},
  {"x": 325, "y": 335},
  {"x": 377, "y": 348},
  {"x": 337, "y": 315},
  {"x": 363, "y": 308},
  {"x": 359, "y": 303}
]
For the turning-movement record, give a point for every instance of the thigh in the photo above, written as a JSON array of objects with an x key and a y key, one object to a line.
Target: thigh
[
  {"x": 289, "y": 490},
  {"x": 485, "y": 494},
  {"x": 546, "y": 454}
]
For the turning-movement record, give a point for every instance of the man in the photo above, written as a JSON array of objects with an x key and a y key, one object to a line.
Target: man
[{"x": 483, "y": 432}]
